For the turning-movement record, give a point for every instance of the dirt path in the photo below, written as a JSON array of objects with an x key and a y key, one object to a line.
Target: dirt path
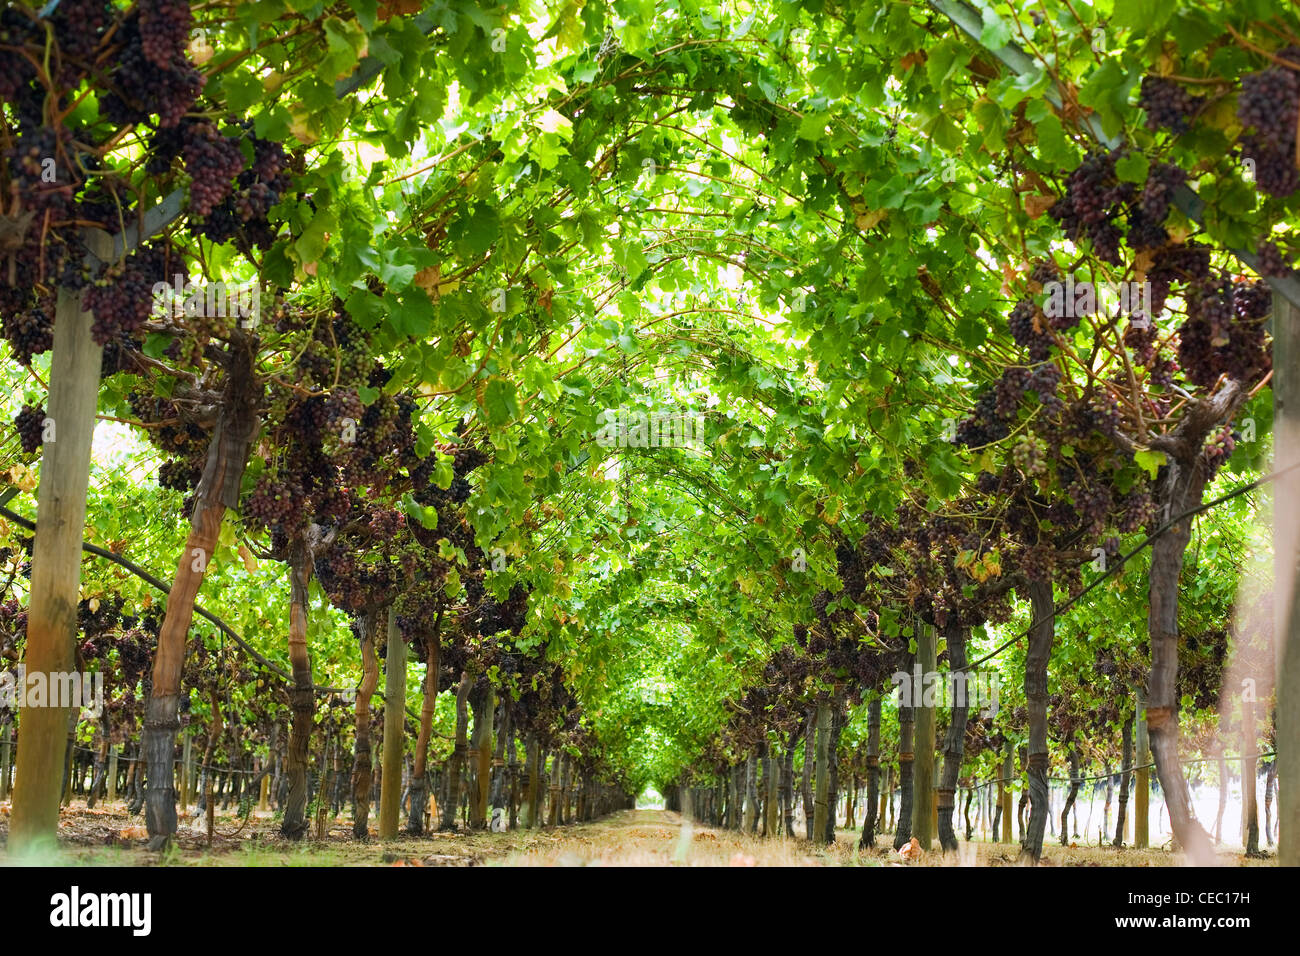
[{"x": 106, "y": 836}]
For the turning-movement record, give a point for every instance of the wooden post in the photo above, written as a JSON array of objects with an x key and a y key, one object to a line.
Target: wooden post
[
  {"x": 823, "y": 782},
  {"x": 1249, "y": 781},
  {"x": 924, "y": 816},
  {"x": 187, "y": 768},
  {"x": 6, "y": 748},
  {"x": 56, "y": 566},
  {"x": 390, "y": 791},
  {"x": 484, "y": 776},
  {"x": 1286, "y": 563},
  {"x": 112, "y": 773},
  {"x": 1142, "y": 796},
  {"x": 1004, "y": 793}
]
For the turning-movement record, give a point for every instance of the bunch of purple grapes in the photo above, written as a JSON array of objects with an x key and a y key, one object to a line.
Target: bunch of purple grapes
[
  {"x": 1268, "y": 106},
  {"x": 30, "y": 423},
  {"x": 1167, "y": 104},
  {"x": 143, "y": 88}
]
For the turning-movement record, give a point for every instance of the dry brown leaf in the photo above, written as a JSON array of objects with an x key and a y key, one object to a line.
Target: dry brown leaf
[{"x": 1038, "y": 204}]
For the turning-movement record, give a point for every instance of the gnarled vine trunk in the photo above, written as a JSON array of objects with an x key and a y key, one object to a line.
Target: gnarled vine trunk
[
  {"x": 823, "y": 769},
  {"x": 1041, "y": 633},
  {"x": 954, "y": 743},
  {"x": 1125, "y": 781},
  {"x": 1179, "y": 489},
  {"x": 871, "y": 810},
  {"x": 809, "y": 745},
  {"x": 420, "y": 771},
  {"x": 218, "y": 490},
  {"x": 362, "y": 766},
  {"x": 301, "y": 695},
  {"x": 456, "y": 762},
  {"x": 1070, "y": 796},
  {"x": 903, "y": 833}
]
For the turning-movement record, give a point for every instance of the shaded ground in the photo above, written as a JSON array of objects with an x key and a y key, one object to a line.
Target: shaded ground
[{"x": 108, "y": 837}]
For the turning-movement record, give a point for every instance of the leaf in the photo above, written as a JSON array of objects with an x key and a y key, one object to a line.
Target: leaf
[
  {"x": 1150, "y": 460},
  {"x": 500, "y": 400},
  {"x": 996, "y": 33},
  {"x": 1133, "y": 168}
]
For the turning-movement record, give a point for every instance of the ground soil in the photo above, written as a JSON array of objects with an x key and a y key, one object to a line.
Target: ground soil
[{"x": 107, "y": 836}]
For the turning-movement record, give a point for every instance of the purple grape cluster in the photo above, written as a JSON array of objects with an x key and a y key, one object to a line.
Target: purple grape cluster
[
  {"x": 142, "y": 88},
  {"x": 123, "y": 299},
  {"x": 1272, "y": 261},
  {"x": 29, "y": 331},
  {"x": 164, "y": 30},
  {"x": 212, "y": 162},
  {"x": 30, "y": 425},
  {"x": 1167, "y": 104},
  {"x": 1268, "y": 105}
]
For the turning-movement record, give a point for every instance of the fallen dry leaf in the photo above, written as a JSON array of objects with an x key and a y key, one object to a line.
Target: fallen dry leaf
[{"x": 911, "y": 851}]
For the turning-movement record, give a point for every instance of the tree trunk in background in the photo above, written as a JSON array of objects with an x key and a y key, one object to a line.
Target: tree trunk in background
[
  {"x": 809, "y": 758},
  {"x": 479, "y": 705},
  {"x": 555, "y": 789},
  {"x": 512, "y": 772},
  {"x": 101, "y": 763},
  {"x": 1180, "y": 488},
  {"x": 833, "y": 758},
  {"x": 420, "y": 771},
  {"x": 887, "y": 800},
  {"x": 187, "y": 771},
  {"x": 738, "y": 787},
  {"x": 1223, "y": 796},
  {"x": 531, "y": 775},
  {"x": 1142, "y": 796},
  {"x": 750, "y": 823},
  {"x": 870, "y": 808},
  {"x": 787, "y": 784},
  {"x": 1286, "y": 566},
  {"x": 1004, "y": 792},
  {"x": 6, "y": 749},
  {"x": 456, "y": 763},
  {"x": 56, "y": 571},
  {"x": 390, "y": 790},
  {"x": 1071, "y": 795},
  {"x": 1249, "y": 780},
  {"x": 218, "y": 490},
  {"x": 301, "y": 695},
  {"x": 771, "y": 822},
  {"x": 1270, "y": 784},
  {"x": 485, "y": 757},
  {"x": 497, "y": 800},
  {"x": 1125, "y": 781},
  {"x": 954, "y": 743},
  {"x": 903, "y": 832},
  {"x": 1041, "y": 633},
  {"x": 214, "y": 732},
  {"x": 361, "y": 762},
  {"x": 823, "y": 769},
  {"x": 923, "y": 761}
]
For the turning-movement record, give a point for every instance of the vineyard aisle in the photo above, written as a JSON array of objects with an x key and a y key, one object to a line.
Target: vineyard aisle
[
  {"x": 640, "y": 837},
  {"x": 680, "y": 433}
]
